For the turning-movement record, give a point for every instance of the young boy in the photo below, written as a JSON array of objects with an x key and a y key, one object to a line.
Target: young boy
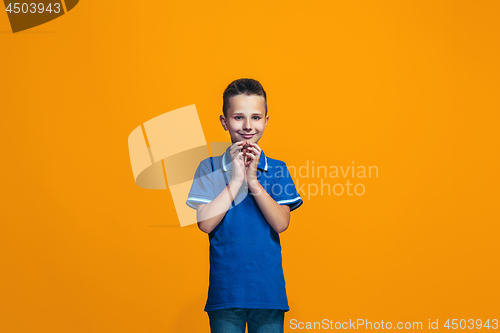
[{"x": 243, "y": 200}]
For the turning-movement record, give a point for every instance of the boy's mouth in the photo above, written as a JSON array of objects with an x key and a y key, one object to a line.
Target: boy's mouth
[{"x": 247, "y": 136}]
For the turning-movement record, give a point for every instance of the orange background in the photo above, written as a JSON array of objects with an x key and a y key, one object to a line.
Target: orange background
[{"x": 411, "y": 87}]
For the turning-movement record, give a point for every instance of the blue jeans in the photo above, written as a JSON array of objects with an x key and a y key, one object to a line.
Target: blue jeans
[{"x": 234, "y": 320}]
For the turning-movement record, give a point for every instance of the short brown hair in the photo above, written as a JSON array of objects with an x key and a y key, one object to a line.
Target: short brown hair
[{"x": 242, "y": 87}]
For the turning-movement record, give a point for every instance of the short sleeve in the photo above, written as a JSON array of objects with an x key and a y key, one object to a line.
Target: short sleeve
[
  {"x": 284, "y": 191},
  {"x": 202, "y": 189}
]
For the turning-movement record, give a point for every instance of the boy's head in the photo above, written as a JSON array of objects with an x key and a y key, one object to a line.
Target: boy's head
[{"x": 244, "y": 110}]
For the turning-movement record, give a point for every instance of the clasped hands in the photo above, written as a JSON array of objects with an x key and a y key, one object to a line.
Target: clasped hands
[{"x": 245, "y": 157}]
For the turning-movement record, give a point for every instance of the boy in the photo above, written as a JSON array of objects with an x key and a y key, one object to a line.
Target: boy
[{"x": 243, "y": 200}]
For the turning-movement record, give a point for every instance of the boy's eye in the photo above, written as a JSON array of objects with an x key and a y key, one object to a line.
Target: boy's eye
[{"x": 239, "y": 117}]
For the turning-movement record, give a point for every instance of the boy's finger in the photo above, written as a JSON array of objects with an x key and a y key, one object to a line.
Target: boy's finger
[
  {"x": 251, "y": 155},
  {"x": 242, "y": 145},
  {"x": 236, "y": 144},
  {"x": 256, "y": 146},
  {"x": 256, "y": 153},
  {"x": 235, "y": 147},
  {"x": 255, "y": 149},
  {"x": 251, "y": 150},
  {"x": 233, "y": 151}
]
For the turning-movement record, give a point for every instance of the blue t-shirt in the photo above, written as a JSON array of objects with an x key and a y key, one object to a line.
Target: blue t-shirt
[{"x": 245, "y": 251}]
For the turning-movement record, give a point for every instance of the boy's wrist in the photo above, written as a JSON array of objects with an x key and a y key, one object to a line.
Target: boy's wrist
[
  {"x": 254, "y": 186},
  {"x": 237, "y": 182}
]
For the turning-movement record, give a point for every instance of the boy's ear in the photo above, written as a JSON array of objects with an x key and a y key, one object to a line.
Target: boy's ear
[
  {"x": 267, "y": 119},
  {"x": 223, "y": 122}
]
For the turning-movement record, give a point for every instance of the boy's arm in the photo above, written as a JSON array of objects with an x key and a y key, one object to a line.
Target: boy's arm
[
  {"x": 278, "y": 216},
  {"x": 209, "y": 215}
]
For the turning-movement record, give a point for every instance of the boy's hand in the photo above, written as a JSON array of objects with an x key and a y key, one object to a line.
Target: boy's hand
[
  {"x": 253, "y": 155},
  {"x": 237, "y": 162}
]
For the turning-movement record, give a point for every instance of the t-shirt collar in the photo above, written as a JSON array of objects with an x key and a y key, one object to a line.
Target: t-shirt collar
[{"x": 226, "y": 161}]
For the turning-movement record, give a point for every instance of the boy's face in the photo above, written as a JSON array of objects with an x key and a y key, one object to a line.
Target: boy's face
[{"x": 246, "y": 118}]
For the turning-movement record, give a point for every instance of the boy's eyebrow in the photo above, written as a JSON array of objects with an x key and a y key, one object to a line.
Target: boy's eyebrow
[{"x": 239, "y": 113}]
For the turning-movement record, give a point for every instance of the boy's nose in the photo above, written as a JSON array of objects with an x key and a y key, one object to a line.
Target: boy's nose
[{"x": 246, "y": 124}]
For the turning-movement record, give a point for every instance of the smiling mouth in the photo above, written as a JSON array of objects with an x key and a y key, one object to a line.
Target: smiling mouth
[{"x": 246, "y": 135}]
